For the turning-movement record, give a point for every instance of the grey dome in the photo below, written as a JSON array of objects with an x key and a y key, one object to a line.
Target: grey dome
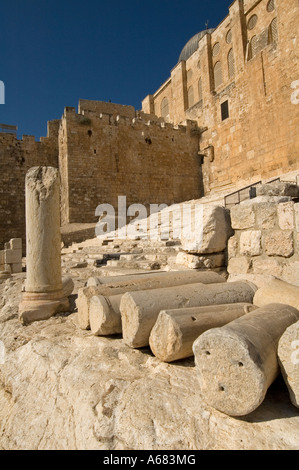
[{"x": 192, "y": 44}]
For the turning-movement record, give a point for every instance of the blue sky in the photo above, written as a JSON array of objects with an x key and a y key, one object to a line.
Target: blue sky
[{"x": 55, "y": 52}]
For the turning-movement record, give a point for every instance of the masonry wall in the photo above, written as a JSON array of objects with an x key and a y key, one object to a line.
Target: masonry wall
[
  {"x": 16, "y": 157},
  {"x": 256, "y": 47},
  {"x": 103, "y": 156},
  {"x": 266, "y": 239}
]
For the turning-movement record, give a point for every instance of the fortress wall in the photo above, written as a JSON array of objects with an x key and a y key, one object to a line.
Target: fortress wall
[
  {"x": 102, "y": 156},
  {"x": 16, "y": 157},
  {"x": 258, "y": 138}
]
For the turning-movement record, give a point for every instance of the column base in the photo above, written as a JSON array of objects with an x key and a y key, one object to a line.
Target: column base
[{"x": 42, "y": 306}]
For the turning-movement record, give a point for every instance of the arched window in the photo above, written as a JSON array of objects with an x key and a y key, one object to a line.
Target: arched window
[
  {"x": 273, "y": 34},
  {"x": 190, "y": 96},
  {"x": 165, "y": 109},
  {"x": 252, "y": 48},
  {"x": 199, "y": 90},
  {"x": 231, "y": 64},
  {"x": 217, "y": 74}
]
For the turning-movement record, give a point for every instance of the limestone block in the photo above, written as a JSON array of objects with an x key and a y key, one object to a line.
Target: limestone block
[
  {"x": 288, "y": 355},
  {"x": 238, "y": 362},
  {"x": 12, "y": 256},
  {"x": 140, "y": 310},
  {"x": 267, "y": 266},
  {"x": 16, "y": 244},
  {"x": 290, "y": 272},
  {"x": 175, "y": 330},
  {"x": 266, "y": 215},
  {"x": 250, "y": 243},
  {"x": 242, "y": 216},
  {"x": 285, "y": 212},
  {"x": 277, "y": 291},
  {"x": 16, "y": 268},
  {"x": 2, "y": 257},
  {"x": 239, "y": 265},
  {"x": 213, "y": 260},
  {"x": 213, "y": 233},
  {"x": 278, "y": 243},
  {"x": 232, "y": 247},
  {"x": 278, "y": 189}
]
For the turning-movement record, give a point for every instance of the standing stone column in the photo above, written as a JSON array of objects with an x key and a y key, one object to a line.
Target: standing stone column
[{"x": 45, "y": 291}]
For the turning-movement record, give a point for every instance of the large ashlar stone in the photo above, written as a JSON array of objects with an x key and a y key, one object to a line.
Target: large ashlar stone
[
  {"x": 278, "y": 243},
  {"x": 140, "y": 310},
  {"x": 250, "y": 243},
  {"x": 212, "y": 232},
  {"x": 288, "y": 355},
  {"x": 238, "y": 362},
  {"x": 290, "y": 272},
  {"x": 239, "y": 265},
  {"x": 122, "y": 284},
  {"x": 45, "y": 292},
  {"x": 175, "y": 331},
  {"x": 277, "y": 291},
  {"x": 242, "y": 216},
  {"x": 279, "y": 188},
  {"x": 285, "y": 212}
]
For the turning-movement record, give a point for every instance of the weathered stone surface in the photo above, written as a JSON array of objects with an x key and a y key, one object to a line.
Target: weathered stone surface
[
  {"x": 61, "y": 388},
  {"x": 290, "y": 273},
  {"x": 213, "y": 260},
  {"x": 139, "y": 310},
  {"x": 250, "y": 243},
  {"x": 272, "y": 266},
  {"x": 280, "y": 188},
  {"x": 214, "y": 231},
  {"x": 239, "y": 265},
  {"x": 176, "y": 330},
  {"x": 276, "y": 290},
  {"x": 285, "y": 212},
  {"x": 238, "y": 362},
  {"x": 288, "y": 355},
  {"x": 278, "y": 243},
  {"x": 242, "y": 216},
  {"x": 116, "y": 286}
]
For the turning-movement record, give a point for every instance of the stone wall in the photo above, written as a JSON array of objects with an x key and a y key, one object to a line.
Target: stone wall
[
  {"x": 104, "y": 155},
  {"x": 254, "y": 49},
  {"x": 16, "y": 157},
  {"x": 266, "y": 239}
]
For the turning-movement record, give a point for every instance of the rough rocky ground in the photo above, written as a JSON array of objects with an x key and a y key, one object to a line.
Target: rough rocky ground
[{"x": 63, "y": 388}]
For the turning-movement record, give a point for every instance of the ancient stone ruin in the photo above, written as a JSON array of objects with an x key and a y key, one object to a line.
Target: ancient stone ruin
[{"x": 149, "y": 274}]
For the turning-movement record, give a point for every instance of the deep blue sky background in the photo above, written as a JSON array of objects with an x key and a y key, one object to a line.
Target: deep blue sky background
[{"x": 55, "y": 52}]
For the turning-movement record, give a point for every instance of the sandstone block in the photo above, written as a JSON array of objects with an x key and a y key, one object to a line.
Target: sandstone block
[
  {"x": 285, "y": 212},
  {"x": 250, "y": 243},
  {"x": 288, "y": 355},
  {"x": 278, "y": 243},
  {"x": 212, "y": 234},
  {"x": 238, "y": 362}
]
